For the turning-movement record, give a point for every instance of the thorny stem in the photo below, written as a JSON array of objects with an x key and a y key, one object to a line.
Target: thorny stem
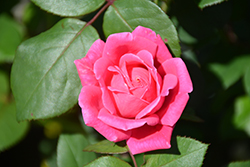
[
  {"x": 109, "y": 2},
  {"x": 132, "y": 157}
]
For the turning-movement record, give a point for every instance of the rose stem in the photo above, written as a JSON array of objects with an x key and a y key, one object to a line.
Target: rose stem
[
  {"x": 109, "y": 2},
  {"x": 132, "y": 156}
]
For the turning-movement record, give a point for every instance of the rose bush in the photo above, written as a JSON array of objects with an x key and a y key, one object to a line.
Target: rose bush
[{"x": 133, "y": 89}]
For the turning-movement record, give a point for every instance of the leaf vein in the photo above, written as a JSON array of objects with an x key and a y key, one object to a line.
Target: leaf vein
[{"x": 62, "y": 53}]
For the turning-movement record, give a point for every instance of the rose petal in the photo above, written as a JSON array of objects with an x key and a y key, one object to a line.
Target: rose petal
[
  {"x": 90, "y": 102},
  {"x": 102, "y": 74},
  {"x": 101, "y": 66},
  {"x": 162, "y": 53},
  {"x": 122, "y": 43},
  {"x": 148, "y": 138},
  {"x": 169, "y": 82},
  {"x": 85, "y": 73},
  {"x": 172, "y": 109},
  {"x": 128, "y": 105},
  {"x": 154, "y": 84},
  {"x": 146, "y": 57},
  {"x": 126, "y": 124},
  {"x": 129, "y": 63},
  {"x": 150, "y": 109},
  {"x": 178, "y": 68},
  {"x": 118, "y": 82},
  {"x": 85, "y": 65}
]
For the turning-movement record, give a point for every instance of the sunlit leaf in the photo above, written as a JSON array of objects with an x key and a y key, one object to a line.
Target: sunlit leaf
[
  {"x": 69, "y": 7},
  {"x": 10, "y": 130},
  {"x": 247, "y": 80},
  {"x": 4, "y": 86},
  {"x": 106, "y": 147},
  {"x": 44, "y": 79},
  {"x": 242, "y": 114},
  {"x": 125, "y": 16},
  {"x": 231, "y": 72},
  {"x": 189, "y": 153},
  {"x": 206, "y": 3},
  {"x": 69, "y": 151},
  {"x": 239, "y": 164},
  {"x": 185, "y": 37},
  {"x": 190, "y": 115},
  {"x": 11, "y": 35},
  {"x": 108, "y": 161}
]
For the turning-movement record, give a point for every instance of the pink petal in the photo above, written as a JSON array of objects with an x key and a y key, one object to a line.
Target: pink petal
[
  {"x": 178, "y": 68},
  {"x": 85, "y": 65},
  {"x": 146, "y": 57},
  {"x": 91, "y": 104},
  {"x": 108, "y": 100},
  {"x": 128, "y": 105},
  {"x": 172, "y": 109},
  {"x": 95, "y": 51},
  {"x": 103, "y": 76},
  {"x": 101, "y": 66},
  {"x": 162, "y": 53},
  {"x": 117, "y": 83},
  {"x": 126, "y": 124},
  {"x": 155, "y": 84},
  {"x": 85, "y": 72},
  {"x": 151, "y": 108},
  {"x": 122, "y": 43},
  {"x": 148, "y": 138},
  {"x": 139, "y": 70},
  {"x": 169, "y": 82}
]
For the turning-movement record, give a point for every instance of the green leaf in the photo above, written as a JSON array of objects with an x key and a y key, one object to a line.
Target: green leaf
[
  {"x": 231, "y": 72},
  {"x": 4, "y": 86},
  {"x": 69, "y": 7},
  {"x": 107, "y": 147},
  {"x": 239, "y": 164},
  {"x": 247, "y": 81},
  {"x": 205, "y": 3},
  {"x": 11, "y": 35},
  {"x": 108, "y": 161},
  {"x": 190, "y": 115},
  {"x": 189, "y": 153},
  {"x": 126, "y": 15},
  {"x": 44, "y": 79},
  {"x": 185, "y": 37},
  {"x": 242, "y": 113},
  {"x": 70, "y": 151},
  {"x": 10, "y": 130}
]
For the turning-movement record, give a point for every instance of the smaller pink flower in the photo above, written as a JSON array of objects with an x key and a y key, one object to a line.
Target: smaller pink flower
[{"x": 133, "y": 89}]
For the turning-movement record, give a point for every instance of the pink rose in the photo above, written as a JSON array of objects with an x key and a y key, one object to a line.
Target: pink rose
[{"x": 133, "y": 89}]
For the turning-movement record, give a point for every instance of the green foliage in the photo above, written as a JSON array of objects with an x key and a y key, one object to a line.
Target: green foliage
[
  {"x": 4, "y": 88},
  {"x": 70, "y": 151},
  {"x": 44, "y": 79},
  {"x": 129, "y": 14},
  {"x": 189, "y": 153},
  {"x": 69, "y": 7},
  {"x": 10, "y": 130},
  {"x": 247, "y": 81},
  {"x": 239, "y": 164},
  {"x": 231, "y": 72},
  {"x": 108, "y": 161},
  {"x": 214, "y": 38},
  {"x": 242, "y": 113},
  {"x": 206, "y": 3},
  {"x": 106, "y": 147},
  {"x": 11, "y": 35}
]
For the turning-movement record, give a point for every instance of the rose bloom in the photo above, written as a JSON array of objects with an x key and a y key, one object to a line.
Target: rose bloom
[{"x": 133, "y": 89}]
